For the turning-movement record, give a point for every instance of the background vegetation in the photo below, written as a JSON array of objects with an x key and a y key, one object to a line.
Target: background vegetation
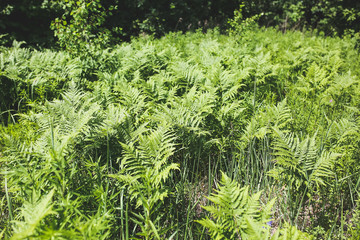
[
  {"x": 29, "y": 21},
  {"x": 235, "y": 132}
]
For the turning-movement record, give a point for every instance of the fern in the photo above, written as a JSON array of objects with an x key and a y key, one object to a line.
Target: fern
[
  {"x": 33, "y": 213},
  {"x": 144, "y": 170},
  {"x": 300, "y": 167},
  {"x": 210, "y": 102},
  {"x": 52, "y": 160},
  {"x": 299, "y": 162},
  {"x": 236, "y": 214},
  {"x": 289, "y": 232}
]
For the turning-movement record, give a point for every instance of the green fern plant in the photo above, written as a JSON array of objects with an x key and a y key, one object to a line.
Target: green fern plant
[
  {"x": 145, "y": 170},
  {"x": 288, "y": 232},
  {"x": 236, "y": 214},
  {"x": 233, "y": 103},
  {"x": 50, "y": 158},
  {"x": 33, "y": 214},
  {"x": 300, "y": 167}
]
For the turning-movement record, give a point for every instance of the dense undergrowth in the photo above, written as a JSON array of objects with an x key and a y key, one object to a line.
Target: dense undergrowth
[{"x": 129, "y": 142}]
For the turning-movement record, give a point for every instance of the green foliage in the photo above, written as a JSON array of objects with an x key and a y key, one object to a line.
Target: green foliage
[
  {"x": 240, "y": 25},
  {"x": 29, "y": 76},
  {"x": 42, "y": 208},
  {"x": 236, "y": 214},
  {"x": 86, "y": 24},
  {"x": 298, "y": 164},
  {"x": 144, "y": 170},
  {"x": 289, "y": 232},
  {"x": 300, "y": 168},
  {"x": 48, "y": 150},
  {"x": 27, "y": 21},
  {"x": 80, "y": 28},
  {"x": 354, "y": 229},
  {"x": 131, "y": 138},
  {"x": 331, "y": 17}
]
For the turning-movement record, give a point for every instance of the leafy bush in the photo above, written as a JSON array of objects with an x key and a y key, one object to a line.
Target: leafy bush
[{"x": 80, "y": 29}]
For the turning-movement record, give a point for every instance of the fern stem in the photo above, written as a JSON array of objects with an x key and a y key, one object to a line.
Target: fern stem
[
  {"x": 254, "y": 100},
  {"x": 342, "y": 217},
  {"x": 209, "y": 176},
  {"x": 127, "y": 221},
  {"x": 108, "y": 156},
  {"x": 121, "y": 196},
  {"x": 300, "y": 204},
  {"x": 8, "y": 199}
]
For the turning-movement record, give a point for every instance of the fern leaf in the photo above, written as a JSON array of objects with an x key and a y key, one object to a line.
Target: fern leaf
[
  {"x": 33, "y": 214},
  {"x": 235, "y": 213}
]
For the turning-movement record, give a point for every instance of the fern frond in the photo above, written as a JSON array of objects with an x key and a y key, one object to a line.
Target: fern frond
[
  {"x": 289, "y": 232},
  {"x": 33, "y": 213},
  {"x": 299, "y": 161},
  {"x": 235, "y": 213},
  {"x": 323, "y": 168},
  {"x": 144, "y": 170}
]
